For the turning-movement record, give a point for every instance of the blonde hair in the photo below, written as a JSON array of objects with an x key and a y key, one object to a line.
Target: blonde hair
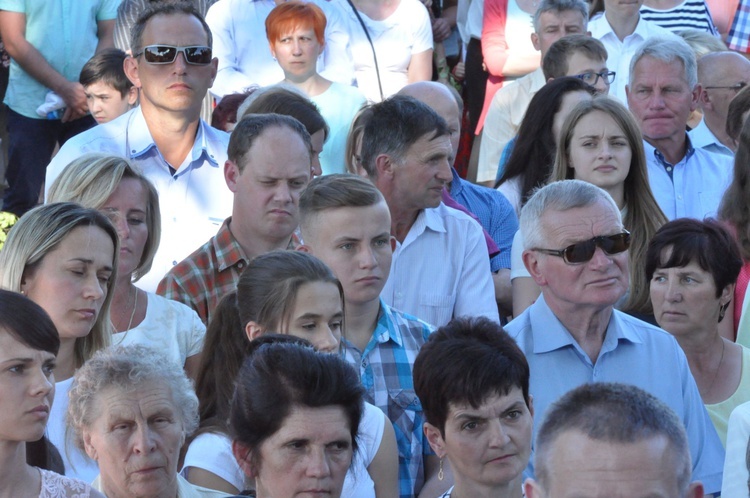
[
  {"x": 643, "y": 215},
  {"x": 91, "y": 180},
  {"x": 39, "y": 232}
]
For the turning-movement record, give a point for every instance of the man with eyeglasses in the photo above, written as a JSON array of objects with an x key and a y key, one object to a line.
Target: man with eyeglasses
[
  {"x": 580, "y": 56},
  {"x": 576, "y": 250},
  {"x": 622, "y": 30},
  {"x": 173, "y": 67},
  {"x": 687, "y": 181},
  {"x": 721, "y": 76}
]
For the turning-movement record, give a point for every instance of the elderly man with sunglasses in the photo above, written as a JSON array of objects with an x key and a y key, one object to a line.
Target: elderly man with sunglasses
[
  {"x": 172, "y": 66},
  {"x": 576, "y": 251}
]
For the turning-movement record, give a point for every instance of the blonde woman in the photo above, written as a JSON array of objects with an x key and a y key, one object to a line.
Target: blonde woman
[{"x": 64, "y": 258}]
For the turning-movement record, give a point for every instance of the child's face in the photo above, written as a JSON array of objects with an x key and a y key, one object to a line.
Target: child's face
[{"x": 106, "y": 103}]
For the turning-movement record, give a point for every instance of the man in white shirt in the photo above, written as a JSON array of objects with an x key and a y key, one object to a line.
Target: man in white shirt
[
  {"x": 440, "y": 267},
  {"x": 183, "y": 157},
  {"x": 553, "y": 20},
  {"x": 662, "y": 92},
  {"x": 622, "y": 30},
  {"x": 721, "y": 75}
]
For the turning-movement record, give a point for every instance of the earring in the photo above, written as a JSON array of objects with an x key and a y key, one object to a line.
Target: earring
[
  {"x": 723, "y": 310},
  {"x": 441, "y": 475}
]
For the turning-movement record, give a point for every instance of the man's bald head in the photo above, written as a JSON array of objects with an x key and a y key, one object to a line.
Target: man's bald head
[
  {"x": 721, "y": 75},
  {"x": 443, "y": 101}
]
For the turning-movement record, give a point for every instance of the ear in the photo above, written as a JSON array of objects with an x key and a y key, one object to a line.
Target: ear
[
  {"x": 695, "y": 490},
  {"x": 132, "y": 96},
  {"x": 305, "y": 248},
  {"x": 393, "y": 243},
  {"x": 130, "y": 66},
  {"x": 531, "y": 260},
  {"x": 627, "y": 95},
  {"x": 231, "y": 175},
  {"x": 532, "y": 489},
  {"x": 273, "y": 52},
  {"x": 704, "y": 100},
  {"x": 87, "y": 446},
  {"x": 550, "y": 79},
  {"x": 696, "y": 97},
  {"x": 531, "y": 405},
  {"x": 435, "y": 439},
  {"x": 384, "y": 166},
  {"x": 242, "y": 456},
  {"x": 535, "y": 42},
  {"x": 726, "y": 294},
  {"x": 253, "y": 330},
  {"x": 214, "y": 70}
]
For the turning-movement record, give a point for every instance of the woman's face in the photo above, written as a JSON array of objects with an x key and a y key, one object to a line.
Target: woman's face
[
  {"x": 126, "y": 208},
  {"x": 307, "y": 457},
  {"x": 70, "y": 282},
  {"x": 135, "y": 438},
  {"x": 317, "y": 315},
  {"x": 599, "y": 151},
  {"x": 297, "y": 54},
  {"x": 569, "y": 101},
  {"x": 487, "y": 446},
  {"x": 27, "y": 388},
  {"x": 684, "y": 298}
]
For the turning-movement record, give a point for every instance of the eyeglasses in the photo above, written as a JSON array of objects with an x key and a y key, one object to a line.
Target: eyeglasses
[
  {"x": 582, "y": 252},
  {"x": 592, "y": 78},
  {"x": 166, "y": 54},
  {"x": 736, "y": 87}
]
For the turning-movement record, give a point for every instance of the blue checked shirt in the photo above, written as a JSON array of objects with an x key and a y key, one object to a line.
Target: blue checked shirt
[
  {"x": 385, "y": 367},
  {"x": 739, "y": 35}
]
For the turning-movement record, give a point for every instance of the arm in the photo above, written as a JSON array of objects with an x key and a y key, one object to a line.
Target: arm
[
  {"x": 475, "y": 292},
  {"x": 230, "y": 77},
  {"x": 420, "y": 67},
  {"x": 384, "y": 467},
  {"x": 106, "y": 34},
  {"x": 13, "y": 32},
  {"x": 503, "y": 290},
  {"x": 497, "y": 132},
  {"x": 494, "y": 46},
  {"x": 206, "y": 479},
  {"x": 339, "y": 65}
]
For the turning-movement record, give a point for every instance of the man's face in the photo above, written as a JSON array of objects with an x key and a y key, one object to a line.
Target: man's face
[
  {"x": 731, "y": 76},
  {"x": 177, "y": 87},
  {"x": 579, "y": 63},
  {"x": 660, "y": 98},
  {"x": 419, "y": 178},
  {"x": 594, "y": 284},
  {"x": 580, "y": 467},
  {"x": 555, "y": 25},
  {"x": 356, "y": 243},
  {"x": 623, "y": 8},
  {"x": 267, "y": 190}
]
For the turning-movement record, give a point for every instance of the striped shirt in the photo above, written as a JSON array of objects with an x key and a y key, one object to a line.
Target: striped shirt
[{"x": 690, "y": 14}]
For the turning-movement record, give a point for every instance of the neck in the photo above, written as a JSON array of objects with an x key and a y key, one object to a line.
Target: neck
[
  {"x": 622, "y": 26},
  {"x": 701, "y": 349},
  {"x": 254, "y": 245},
  {"x": 312, "y": 85},
  {"x": 361, "y": 320},
  {"x": 122, "y": 310},
  {"x": 173, "y": 133},
  {"x": 512, "y": 489},
  {"x": 66, "y": 360},
  {"x": 402, "y": 219},
  {"x": 16, "y": 477},
  {"x": 672, "y": 148},
  {"x": 588, "y": 326},
  {"x": 716, "y": 125}
]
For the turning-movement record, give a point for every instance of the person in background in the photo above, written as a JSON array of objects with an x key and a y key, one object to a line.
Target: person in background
[
  {"x": 353, "y": 149},
  {"x": 675, "y": 15},
  {"x": 224, "y": 115},
  {"x": 109, "y": 93}
]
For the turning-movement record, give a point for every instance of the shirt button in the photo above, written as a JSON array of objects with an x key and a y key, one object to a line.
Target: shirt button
[
  {"x": 174, "y": 263},
  {"x": 669, "y": 168}
]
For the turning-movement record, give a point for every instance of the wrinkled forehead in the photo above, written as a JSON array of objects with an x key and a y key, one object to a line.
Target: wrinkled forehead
[{"x": 565, "y": 227}]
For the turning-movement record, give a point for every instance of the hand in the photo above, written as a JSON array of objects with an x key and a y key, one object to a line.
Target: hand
[
  {"x": 75, "y": 101},
  {"x": 459, "y": 71},
  {"x": 441, "y": 30}
]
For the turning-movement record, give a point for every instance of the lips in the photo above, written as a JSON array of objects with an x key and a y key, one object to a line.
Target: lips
[
  {"x": 88, "y": 313},
  {"x": 41, "y": 410}
]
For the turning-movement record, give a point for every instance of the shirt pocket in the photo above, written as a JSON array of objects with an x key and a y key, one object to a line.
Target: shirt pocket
[{"x": 436, "y": 308}]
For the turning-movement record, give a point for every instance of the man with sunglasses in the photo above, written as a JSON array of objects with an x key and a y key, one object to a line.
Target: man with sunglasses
[
  {"x": 721, "y": 76},
  {"x": 173, "y": 67},
  {"x": 576, "y": 250}
]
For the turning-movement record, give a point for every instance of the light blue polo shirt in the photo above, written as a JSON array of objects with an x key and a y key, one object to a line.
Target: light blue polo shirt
[{"x": 64, "y": 32}]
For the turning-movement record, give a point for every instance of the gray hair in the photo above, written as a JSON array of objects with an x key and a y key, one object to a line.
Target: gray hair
[
  {"x": 125, "y": 368},
  {"x": 668, "y": 50},
  {"x": 612, "y": 413},
  {"x": 557, "y": 6},
  {"x": 559, "y": 196}
]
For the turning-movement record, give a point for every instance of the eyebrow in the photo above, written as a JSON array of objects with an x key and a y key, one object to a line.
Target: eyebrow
[{"x": 90, "y": 262}]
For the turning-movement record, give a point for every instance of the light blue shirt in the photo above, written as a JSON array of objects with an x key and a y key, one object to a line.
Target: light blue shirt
[
  {"x": 703, "y": 138},
  {"x": 693, "y": 187},
  {"x": 194, "y": 200},
  {"x": 64, "y": 32},
  {"x": 633, "y": 352}
]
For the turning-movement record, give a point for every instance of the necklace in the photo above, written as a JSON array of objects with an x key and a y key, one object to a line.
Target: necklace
[
  {"x": 132, "y": 313},
  {"x": 718, "y": 367}
]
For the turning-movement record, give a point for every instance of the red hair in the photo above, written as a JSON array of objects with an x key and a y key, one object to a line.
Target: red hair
[{"x": 288, "y": 16}]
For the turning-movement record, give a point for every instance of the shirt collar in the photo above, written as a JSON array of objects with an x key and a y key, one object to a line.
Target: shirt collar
[
  {"x": 228, "y": 251},
  {"x": 650, "y": 151},
  {"x": 385, "y": 330}
]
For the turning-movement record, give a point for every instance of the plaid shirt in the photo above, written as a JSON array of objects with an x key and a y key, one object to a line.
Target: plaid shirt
[
  {"x": 385, "y": 367},
  {"x": 739, "y": 35},
  {"x": 207, "y": 275}
]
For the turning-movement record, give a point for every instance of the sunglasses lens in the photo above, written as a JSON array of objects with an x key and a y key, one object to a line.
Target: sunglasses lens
[
  {"x": 615, "y": 244},
  {"x": 198, "y": 55},
  {"x": 157, "y": 54},
  {"x": 584, "y": 251},
  {"x": 581, "y": 252}
]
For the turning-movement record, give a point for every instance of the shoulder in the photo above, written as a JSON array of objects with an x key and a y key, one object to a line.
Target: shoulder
[
  {"x": 408, "y": 325},
  {"x": 181, "y": 312},
  {"x": 57, "y": 486}
]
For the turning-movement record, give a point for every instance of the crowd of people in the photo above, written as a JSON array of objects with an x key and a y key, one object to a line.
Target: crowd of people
[{"x": 257, "y": 264}]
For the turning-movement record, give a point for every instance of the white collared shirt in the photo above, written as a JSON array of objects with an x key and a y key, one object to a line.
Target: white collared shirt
[
  {"x": 703, "y": 138},
  {"x": 442, "y": 269},
  {"x": 619, "y": 52},
  {"x": 194, "y": 200}
]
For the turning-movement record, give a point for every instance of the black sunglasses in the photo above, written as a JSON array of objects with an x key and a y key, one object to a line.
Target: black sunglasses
[
  {"x": 166, "y": 54},
  {"x": 583, "y": 251}
]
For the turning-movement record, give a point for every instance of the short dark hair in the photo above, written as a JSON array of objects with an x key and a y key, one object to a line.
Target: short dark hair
[
  {"x": 106, "y": 66},
  {"x": 278, "y": 377},
  {"x": 27, "y": 322},
  {"x": 267, "y": 289},
  {"x": 613, "y": 413},
  {"x": 280, "y": 100},
  {"x": 166, "y": 9},
  {"x": 335, "y": 191},
  {"x": 555, "y": 62},
  {"x": 466, "y": 361},
  {"x": 395, "y": 125},
  {"x": 252, "y": 126},
  {"x": 706, "y": 242}
]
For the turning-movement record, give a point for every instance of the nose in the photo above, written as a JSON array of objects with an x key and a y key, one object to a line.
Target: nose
[
  {"x": 672, "y": 292},
  {"x": 122, "y": 227},
  {"x": 367, "y": 258},
  {"x": 602, "y": 87},
  {"x": 600, "y": 260},
  {"x": 296, "y": 47},
  {"x": 180, "y": 63},
  {"x": 42, "y": 383},
  {"x": 315, "y": 168},
  {"x": 283, "y": 194},
  {"x": 605, "y": 149},
  {"x": 143, "y": 439},
  {"x": 444, "y": 172},
  {"x": 656, "y": 101},
  {"x": 498, "y": 435},
  {"x": 318, "y": 465},
  {"x": 329, "y": 340},
  {"x": 93, "y": 288}
]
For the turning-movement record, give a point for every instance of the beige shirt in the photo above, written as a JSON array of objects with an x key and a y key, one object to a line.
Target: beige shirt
[
  {"x": 184, "y": 489},
  {"x": 504, "y": 116}
]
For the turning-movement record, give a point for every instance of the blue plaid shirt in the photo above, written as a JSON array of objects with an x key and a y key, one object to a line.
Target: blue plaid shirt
[
  {"x": 385, "y": 367},
  {"x": 739, "y": 35}
]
